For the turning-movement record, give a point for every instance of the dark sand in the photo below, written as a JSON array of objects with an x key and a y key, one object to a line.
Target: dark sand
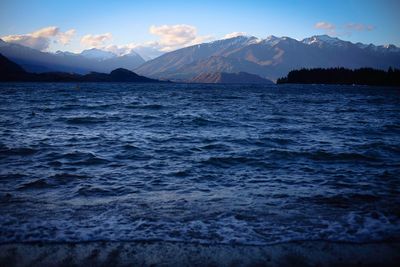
[{"x": 309, "y": 253}]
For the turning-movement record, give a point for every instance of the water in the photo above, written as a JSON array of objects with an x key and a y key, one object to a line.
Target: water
[{"x": 199, "y": 163}]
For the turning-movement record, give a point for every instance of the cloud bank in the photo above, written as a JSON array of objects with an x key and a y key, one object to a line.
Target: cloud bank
[
  {"x": 359, "y": 27},
  {"x": 347, "y": 29},
  {"x": 177, "y": 36},
  {"x": 170, "y": 37},
  {"x": 96, "y": 41},
  {"x": 41, "y": 38}
]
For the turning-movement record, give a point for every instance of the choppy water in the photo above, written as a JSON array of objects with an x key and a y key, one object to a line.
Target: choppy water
[{"x": 197, "y": 163}]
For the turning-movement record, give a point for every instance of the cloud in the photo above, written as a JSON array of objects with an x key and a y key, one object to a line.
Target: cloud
[
  {"x": 342, "y": 30},
  {"x": 96, "y": 41},
  {"x": 177, "y": 36},
  {"x": 41, "y": 39},
  {"x": 359, "y": 27},
  {"x": 234, "y": 34},
  {"x": 329, "y": 28},
  {"x": 171, "y": 37},
  {"x": 174, "y": 35},
  {"x": 65, "y": 37},
  {"x": 325, "y": 26}
]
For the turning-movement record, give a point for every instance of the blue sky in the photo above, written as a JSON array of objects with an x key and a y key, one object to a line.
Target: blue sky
[{"x": 129, "y": 22}]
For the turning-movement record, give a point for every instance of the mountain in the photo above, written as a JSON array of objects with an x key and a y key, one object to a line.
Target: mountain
[
  {"x": 223, "y": 77},
  {"x": 12, "y": 72},
  {"x": 92, "y": 60},
  {"x": 9, "y": 70},
  {"x": 98, "y": 54},
  {"x": 170, "y": 64},
  {"x": 271, "y": 58}
]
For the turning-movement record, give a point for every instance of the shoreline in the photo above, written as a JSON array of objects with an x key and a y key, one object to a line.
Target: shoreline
[{"x": 165, "y": 253}]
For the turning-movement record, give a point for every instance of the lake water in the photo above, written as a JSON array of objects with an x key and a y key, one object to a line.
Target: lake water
[{"x": 199, "y": 163}]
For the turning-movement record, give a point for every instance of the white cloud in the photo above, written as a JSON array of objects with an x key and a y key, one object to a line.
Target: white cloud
[
  {"x": 46, "y": 32},
  {"x": 65, "y": 37},
  {"x": 41, "y": 38},
  {"x": 329, "y": 28},
  {"x": 234, "y": 34},
  {"x": 97, "y": 41},
  {"x": 177, "y": 36},
  {"x": 174, "y": 35},
  {"x": 359, "y": 27},
  {"x": 342, "y": 30},
  {"x": 324, "y": 25},
  {"x": 171, "y": 37}
]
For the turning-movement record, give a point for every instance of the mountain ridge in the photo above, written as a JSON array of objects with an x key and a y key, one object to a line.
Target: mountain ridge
[
  {"x": 12, "y": 72},
  {"x": 37, "y": 61},
  {"x": 271, "y": 58}
]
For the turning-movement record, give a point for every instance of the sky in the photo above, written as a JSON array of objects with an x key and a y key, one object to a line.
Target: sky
[{"x": 159, "y": 26}]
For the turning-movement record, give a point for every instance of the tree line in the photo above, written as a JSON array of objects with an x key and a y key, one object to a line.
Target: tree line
[{"x": 362, "y": 76}]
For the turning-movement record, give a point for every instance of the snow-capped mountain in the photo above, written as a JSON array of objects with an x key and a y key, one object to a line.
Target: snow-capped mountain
[
  {"x": 272, "y": 57},
  {"x": 98, "y": 54},
  {"x": 91, "y": 60},
  {"x": 323, "y": 40}
]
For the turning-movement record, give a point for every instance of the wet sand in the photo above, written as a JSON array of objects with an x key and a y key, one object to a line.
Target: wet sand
[{"x": 308, "y": 253}]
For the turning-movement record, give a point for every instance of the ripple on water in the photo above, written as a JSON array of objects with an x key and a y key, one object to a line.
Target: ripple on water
[{"x": 199, "y": 163}]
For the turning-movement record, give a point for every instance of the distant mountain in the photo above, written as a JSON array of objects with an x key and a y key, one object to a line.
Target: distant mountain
[
  {"x": 90, "y": 60},
  {"x": 12, "y": 72},
  {"x": 223, "y": 77},
  {"x": 271, "y": 58},
  {"x": 98, "y": 54}
]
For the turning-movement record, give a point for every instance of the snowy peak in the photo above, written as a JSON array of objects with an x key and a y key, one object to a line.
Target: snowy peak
[
  {"x": 391, "y": 48},
  {"x": 271, "y": 40},
  {"x": 65, "y": 53},
  {"x": 2, "y": 43},
  {"x": 95, "y": 53},
  {"x": 322, "y": 39},
  {"x": 238, "y": 40},
  {"x": 132, "y": 54}
]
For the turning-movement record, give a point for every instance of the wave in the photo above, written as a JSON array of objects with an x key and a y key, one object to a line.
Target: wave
[
  {"x": 17, "y": 151},
  {"x": 86, "y": 120},
  {"x": 230, "y": 161},
  {"x": 36, "y": 184},
  {"x": 144, "y": 106},
  {"x": 320, "y": 155}
]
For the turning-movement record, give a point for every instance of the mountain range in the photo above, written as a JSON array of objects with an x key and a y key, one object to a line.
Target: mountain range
[
  {"x": 85, "y": 62},
  {"x": 12, "y": 72},
  {"x": 269, "y": 58}
]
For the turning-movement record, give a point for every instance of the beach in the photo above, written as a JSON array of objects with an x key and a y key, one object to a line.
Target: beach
[{"x": 159, "y": 253}]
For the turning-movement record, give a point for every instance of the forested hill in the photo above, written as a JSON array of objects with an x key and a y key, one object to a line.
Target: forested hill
[{"x": 363, "y": 76}]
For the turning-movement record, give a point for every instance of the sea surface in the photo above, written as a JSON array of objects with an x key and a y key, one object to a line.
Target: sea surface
[{"x": 209, "y": 164}]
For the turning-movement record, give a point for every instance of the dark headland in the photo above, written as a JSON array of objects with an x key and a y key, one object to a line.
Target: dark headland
[
  {"x": 362, "y": 76},
  {"x": 12, "y": 72}
]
